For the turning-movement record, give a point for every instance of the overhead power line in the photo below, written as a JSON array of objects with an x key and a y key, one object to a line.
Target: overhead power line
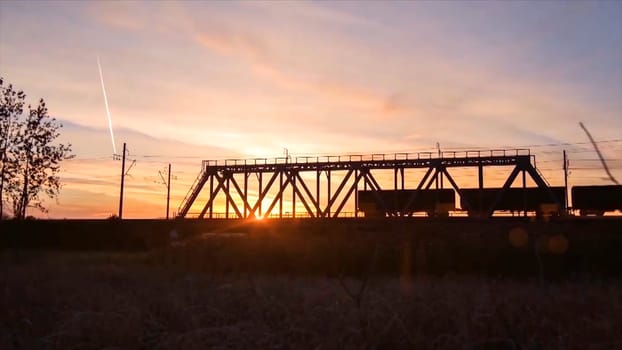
[{"x": 605, "y": 144}]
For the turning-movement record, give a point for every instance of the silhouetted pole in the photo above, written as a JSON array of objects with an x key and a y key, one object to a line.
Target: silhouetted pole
[
  {"x": 168, "y": 190},
  {"x": 566, "y": 181},
  {"x": 122, "y": 183}
]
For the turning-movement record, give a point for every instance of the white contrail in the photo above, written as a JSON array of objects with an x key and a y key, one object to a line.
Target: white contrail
[{"x": 101, "y": 77}]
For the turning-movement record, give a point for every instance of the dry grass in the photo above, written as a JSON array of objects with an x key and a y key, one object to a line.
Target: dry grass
[{"x": 158, "y": 301}]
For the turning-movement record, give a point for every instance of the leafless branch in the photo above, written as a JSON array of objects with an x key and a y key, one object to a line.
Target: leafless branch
[{"x": 602, "y": 159}]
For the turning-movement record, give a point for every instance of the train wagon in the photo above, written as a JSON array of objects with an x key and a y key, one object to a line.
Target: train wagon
[
  {"x": 434, "y": 202},
  {"x": 596, "y": 200},
  {"x": 532, "y": 199}
]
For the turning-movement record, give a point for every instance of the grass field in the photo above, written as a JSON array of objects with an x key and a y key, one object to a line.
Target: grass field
[{"x": 197, "y": 297}]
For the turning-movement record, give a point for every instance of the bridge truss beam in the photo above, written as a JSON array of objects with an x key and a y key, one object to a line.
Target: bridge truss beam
[{"x": 231, "y": 180}]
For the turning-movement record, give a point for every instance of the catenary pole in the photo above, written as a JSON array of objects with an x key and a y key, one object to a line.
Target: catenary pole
[
  {"x": 168, "y": 190},
  {"x": 122, "y": 183}
]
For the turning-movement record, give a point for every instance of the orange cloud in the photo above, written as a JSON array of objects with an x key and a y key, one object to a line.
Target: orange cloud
[
  {"x": 120, "y": 15},
  {"x": 255, "y": 54}
]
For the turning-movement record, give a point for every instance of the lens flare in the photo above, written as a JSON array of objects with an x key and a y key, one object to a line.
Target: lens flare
[{"x": 518, "y": 237}]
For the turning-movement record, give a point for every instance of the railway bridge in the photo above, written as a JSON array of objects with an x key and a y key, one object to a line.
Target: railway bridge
[{"x": 270, "y": 178}]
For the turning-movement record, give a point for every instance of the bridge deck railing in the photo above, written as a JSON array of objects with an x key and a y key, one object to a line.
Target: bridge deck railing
[{"x": 368, "y": 157}]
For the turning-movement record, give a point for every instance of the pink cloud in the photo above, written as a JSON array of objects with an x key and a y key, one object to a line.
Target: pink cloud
[
  {"x": 119, "y": 15},
  {"x": 255, "y": 54}
]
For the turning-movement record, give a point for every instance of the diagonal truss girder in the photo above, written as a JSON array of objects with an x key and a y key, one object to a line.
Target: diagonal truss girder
[{"x": 286, "y": 177}]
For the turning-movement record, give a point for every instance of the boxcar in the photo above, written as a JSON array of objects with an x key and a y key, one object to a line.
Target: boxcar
[
  {"x": 532, "y": 199},
  {"x": 395, "y": 202},
  {"x": 596, "y": 200}
]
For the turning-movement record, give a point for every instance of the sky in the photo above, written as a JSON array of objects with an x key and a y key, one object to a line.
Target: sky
[{"x": 188, "y": 81}]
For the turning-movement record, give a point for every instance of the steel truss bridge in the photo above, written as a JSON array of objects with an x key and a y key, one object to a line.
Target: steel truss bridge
[{"x": 231, "y": 178}]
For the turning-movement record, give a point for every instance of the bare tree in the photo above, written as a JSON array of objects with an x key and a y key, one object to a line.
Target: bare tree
[
  {"x": 30, "y": 157},
  {"x": 600, "y": 155},
  {"x": 11, "y": 108}
]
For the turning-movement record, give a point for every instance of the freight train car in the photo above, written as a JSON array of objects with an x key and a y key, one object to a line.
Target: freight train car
[
  {"x": 396, "y": 202},
  {"x": 596, "y": 200},
  {"x": 532, "y": 199}
]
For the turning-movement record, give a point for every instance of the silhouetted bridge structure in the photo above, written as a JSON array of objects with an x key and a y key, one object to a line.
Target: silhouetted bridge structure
[{"x": 270, "y": 178}]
